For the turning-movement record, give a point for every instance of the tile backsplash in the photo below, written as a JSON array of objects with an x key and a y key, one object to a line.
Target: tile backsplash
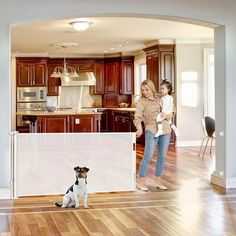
[{"x": 69, "y": 97}]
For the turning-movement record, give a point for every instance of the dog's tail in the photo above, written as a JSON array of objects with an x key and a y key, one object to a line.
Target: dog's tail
[{"x": 58, "y": 204}]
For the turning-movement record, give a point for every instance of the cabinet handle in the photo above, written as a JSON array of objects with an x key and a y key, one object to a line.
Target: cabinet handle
[
  {"x": 116, "y": 118},
  {"x": 123, "y": 120}
]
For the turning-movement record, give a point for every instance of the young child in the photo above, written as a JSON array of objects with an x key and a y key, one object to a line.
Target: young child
[{"x": 167, "y": 107}]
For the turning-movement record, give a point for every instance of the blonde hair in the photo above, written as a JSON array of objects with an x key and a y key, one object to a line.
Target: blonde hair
[{"x": 150, "y": 85}]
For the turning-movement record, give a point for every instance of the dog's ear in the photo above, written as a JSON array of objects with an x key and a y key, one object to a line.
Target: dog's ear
[
  {"x": 86, "y": 169},
  {"x": 76, "y": 168}
]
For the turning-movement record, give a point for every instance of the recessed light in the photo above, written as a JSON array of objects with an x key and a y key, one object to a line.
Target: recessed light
[
  {"x": 112, "y": 49},
  {"x": 105, "y": 51},
  {"x": 81, "y": 25},
  {"x": 120, "y": 46}
]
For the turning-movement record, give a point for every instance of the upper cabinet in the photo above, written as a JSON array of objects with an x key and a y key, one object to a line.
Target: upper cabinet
[
  {"x": 152, "y": 62},
  {"x": 31, "y": 72},
  {"x": 98, "y": 70},
  {"x": 112, "y": 77},
  {"x": 53, "y": 83},
  {"x": 167, "y": 63},
  {"x": 160, "y": 61},
  {"x": 127, "y": 76}
]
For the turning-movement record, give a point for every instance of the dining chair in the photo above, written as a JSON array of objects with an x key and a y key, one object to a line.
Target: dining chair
[{"x": 208, "y": 124}]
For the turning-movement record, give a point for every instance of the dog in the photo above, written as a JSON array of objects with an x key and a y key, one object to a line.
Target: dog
[{"x": 77, "y": 190}]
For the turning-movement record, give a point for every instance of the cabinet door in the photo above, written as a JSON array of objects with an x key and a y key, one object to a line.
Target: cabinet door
[
  {"x": 85, "y": 123},
  {"x": 23, "y": 74},
  {"x": 98, "y": 70},
  {"x": 112, "y": 77},
  {"x": 39, "y": 74},
  {"x": 55, "y": 124},
  {"x": 167, "y": 67},
  {"x": 121, "y": 124},
  {"x": 127, "y": 78},
  {"x": 152, "y": 69},
  {"x": 53, "y": 83},
  {"x": 104, "y": 121},
  {"x": 149, "y": 62}
]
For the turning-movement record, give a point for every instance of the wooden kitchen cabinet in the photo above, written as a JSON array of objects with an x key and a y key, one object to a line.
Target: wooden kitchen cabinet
[
  {"x": 127, "y": 76},
  {"x": 160, "y": 60},
  {"x": 121, "y": 121},
  {"x": 167, "y": 64},
  {"x": 85, "y": 123},
  {"x": 112, "y": 77},
  {"x": 53, "y": 83},
  {"x": 105, "y": 121},
  {"x": 54, "y": 124},
  {"x": 31, "y": 72},
  {"x": 152, "y": 62},
  {"x": 99, "y": 88}
]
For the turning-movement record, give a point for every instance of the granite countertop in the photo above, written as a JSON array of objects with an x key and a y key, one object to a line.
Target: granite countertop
[
  {"x": 73, "y": 111},
  {"x": 57, "y": 113},
  {"x": 117, "y": 109}
]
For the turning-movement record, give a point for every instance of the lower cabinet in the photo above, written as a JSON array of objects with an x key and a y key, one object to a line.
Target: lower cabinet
[
  {"x": 121, "y": 121},
  {"x": 54, "y": 124},
  {"x": 69, "y": 123},
  {"x": 85, "y": 123}
]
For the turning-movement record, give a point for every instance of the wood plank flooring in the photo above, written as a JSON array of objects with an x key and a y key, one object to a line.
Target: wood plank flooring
[{"x": 190, "y": 206}]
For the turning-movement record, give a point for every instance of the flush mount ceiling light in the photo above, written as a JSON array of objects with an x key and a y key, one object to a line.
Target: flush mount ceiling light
[{"x": 81, "y": 25}]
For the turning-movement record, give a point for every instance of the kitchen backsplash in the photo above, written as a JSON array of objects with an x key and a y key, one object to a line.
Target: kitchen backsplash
[{"x": 69, "y": 97}]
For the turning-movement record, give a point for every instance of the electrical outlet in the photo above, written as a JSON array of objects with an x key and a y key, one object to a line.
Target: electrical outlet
[{"x": 77, "y": 121}]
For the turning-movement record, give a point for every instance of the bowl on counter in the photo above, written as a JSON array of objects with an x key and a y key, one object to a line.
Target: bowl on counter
[
  {"x": 123, "y": 105},
  {"x": 51, "y": 109}
]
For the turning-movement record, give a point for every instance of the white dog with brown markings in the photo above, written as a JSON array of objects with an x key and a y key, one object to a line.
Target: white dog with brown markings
[{"x": 77, "y": 190}]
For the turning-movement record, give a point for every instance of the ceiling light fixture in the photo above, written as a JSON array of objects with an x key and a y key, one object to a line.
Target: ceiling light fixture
[
  {"x": 81, "y": 25},
  {"x": 65, "y": 72}
]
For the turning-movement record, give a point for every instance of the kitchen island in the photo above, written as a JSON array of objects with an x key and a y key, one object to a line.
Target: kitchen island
[{"x": 63, "y": 121}]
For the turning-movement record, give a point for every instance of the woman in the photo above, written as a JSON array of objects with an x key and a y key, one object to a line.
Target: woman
[{"x": 147, "y": 109}]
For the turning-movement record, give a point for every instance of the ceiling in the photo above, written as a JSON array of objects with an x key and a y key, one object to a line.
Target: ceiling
[{"x": 107, "y": 35}]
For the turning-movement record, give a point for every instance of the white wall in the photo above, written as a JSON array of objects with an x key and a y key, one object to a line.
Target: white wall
[
  {"x": 189, "y": 57},
  {"x": 213, "y": 11}
]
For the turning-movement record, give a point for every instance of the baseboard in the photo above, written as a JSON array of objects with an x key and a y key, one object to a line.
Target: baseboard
[
  {"x": 5, "y": 193},
  {"x": 218, "y": 180},
  {"x": 192, "y": 143},
  {"x": 223, "y": 181}
]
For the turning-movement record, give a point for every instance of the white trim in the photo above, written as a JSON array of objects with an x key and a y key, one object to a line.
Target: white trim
[
  {"x": 195, "y": 41},
  {"x": 231, "y": 182},
  {"x": 207, "y": 86},
  {"x": 5, "y": 193},
  {"x": 223, "y": 181}
]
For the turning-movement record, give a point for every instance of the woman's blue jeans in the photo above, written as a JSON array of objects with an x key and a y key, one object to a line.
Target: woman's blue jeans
[{"x": 150, "y": 145}]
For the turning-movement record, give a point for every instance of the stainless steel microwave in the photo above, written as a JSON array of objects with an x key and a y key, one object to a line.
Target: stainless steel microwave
[{"x": 31, "y": 94}]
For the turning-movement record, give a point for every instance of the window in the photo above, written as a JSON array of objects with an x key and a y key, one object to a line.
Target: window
[
  {"x": 140, "y": 76},
  {"x": 209, "y": 83},
  {"x": 189, "y": 88}
]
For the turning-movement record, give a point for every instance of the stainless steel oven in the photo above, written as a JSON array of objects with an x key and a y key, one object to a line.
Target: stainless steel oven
[
  {"x": 22, "y": 120},
  {"x": 31, "y": 94}
]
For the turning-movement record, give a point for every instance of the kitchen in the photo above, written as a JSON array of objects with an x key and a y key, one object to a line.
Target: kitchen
[{"x": 93, "y": 55}]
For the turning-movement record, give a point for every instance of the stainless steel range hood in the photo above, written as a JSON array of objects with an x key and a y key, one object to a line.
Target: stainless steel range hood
[{"x": 84, "y": 79}]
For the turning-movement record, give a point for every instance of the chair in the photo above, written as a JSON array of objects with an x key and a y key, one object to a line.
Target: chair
[{"x": 209, "y": 133}]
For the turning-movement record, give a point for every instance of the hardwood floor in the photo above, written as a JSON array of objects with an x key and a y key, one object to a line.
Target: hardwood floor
[{"x": 190, "y": 206}]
